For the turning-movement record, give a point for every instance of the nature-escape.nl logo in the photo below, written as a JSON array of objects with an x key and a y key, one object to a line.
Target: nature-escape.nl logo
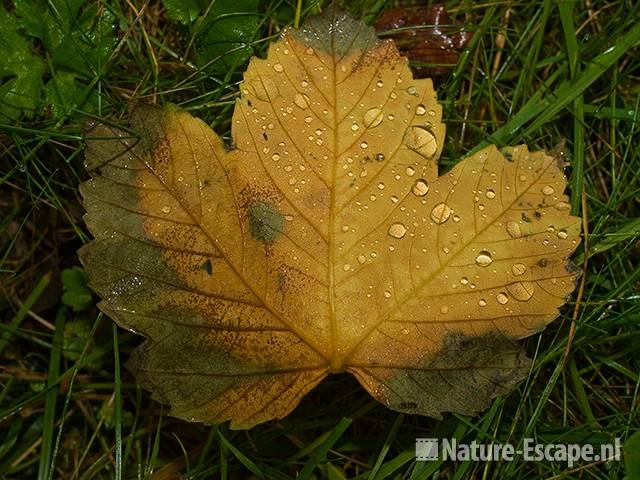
[{"x": 431, "y": 449}]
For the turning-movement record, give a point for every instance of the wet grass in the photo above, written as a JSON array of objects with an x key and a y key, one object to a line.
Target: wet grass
[{"x": 535, "y": 72}]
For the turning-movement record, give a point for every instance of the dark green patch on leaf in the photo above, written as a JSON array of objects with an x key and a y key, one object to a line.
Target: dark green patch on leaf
[{"x": 266, "y": 222}]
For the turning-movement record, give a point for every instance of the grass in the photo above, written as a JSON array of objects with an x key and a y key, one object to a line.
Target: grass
[{"x": 535, "y": 72}]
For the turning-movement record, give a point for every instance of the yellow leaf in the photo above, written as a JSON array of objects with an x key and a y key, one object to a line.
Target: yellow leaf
[{"x": 323, "y": 240}]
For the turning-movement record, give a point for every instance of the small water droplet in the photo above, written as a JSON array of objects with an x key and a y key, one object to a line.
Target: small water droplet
[
  {"x": 444, "y": 309},
  {"x": 410, "y": 171},
  {"x": 513, "y": 229},
  {"x": 397, "y": 230},
  {"x": 361, "y": 259},
  {"x": 379, "y": 157},
  {"x": 464, "y": 281},
  {"x": 484, "y": 259},
  {"x": 518, "y": 269},
  {"x": 275, "y": 157},
  {"x": 379, "y": 83},
  {"x": 373, "y": 117},
  {"x": 548, "y": 190},
  {"x": 482, "y": 302},
  {"x": 278, "y": 68},
  {"x": 562, "y": 206},
  {"x": 355, "y": 126},
  {"x": 456, "y": 218},
  {"x": 420, "y": 188},
  {"x": 308, "y": 119},
  {"x": 345, "y": 228},
  {"x": 387, "y": 294},
  {"x": 502, "y": 298},
  {"x": 346, "y": 267},
  {"x": 381, "y": 186},
  {"x": 420, "y": 110},
  {"x": 490, "y": 194},
  {"x": 562, "y": 234},
  {"x": 304, "y": 84},
  {"x": 166, "y": 209},
  {"x": 440, "y": 213},
  {"x": 364, "y": 145}
]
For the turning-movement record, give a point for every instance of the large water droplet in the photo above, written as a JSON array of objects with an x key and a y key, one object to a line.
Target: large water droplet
[
  {"x": 397, "y": 230},
  {"x": 502, "y": 298},
  {"x": 373, "y": 117},
  {"x": 521, "y": 291},
  {"x": 421, "y": 140},
  {"x": 420, "y": 188},
  {"x": 513, "y": 229},
  {"x": 440, "y": 213},
  {"x": 518, "y": 269},
  {"x": 484, "y": 259},
  {"x": 301, "y": 100}
]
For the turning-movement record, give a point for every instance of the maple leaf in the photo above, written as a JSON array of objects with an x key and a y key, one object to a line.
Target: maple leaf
[{"x": 323, "y": 240}]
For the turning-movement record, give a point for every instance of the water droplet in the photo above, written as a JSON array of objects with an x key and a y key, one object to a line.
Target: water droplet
[
  {"x": 345, "y": 228},
  {"x": 420, "y": 188},
  {"x": 464, "y": 281},
  {"x": 304, "y": 84},
  {"x": 410, "y": 171},
  {"x": 444, "y": 309},
  {"x": 513, "y": 229},
  {"x": 482, "y": 302},
  {"x": 397, "y": 230},
  {"x": 278, "y": 68},
  {"x": 502, "y": 298},
  {"x": 412, "y": 90},
  {"x": 355, "y": 126},
  {"x": 308, "y": 119},
  {"x": 373, "y": 117},
  {"x": 456, "y": 218},
  {"x": 166, "y": 209},
  {"x": 421, "y": 140},
  {"x": 490, "y": 194},
  {"x": 301, "y": 100},
  {"x": 548, "y": 190},
  {"x": 346, "y": 267},
  {"x": 484, "y": 259},
  {"x": 379, "y": 83},
  {"x": 387, "y": 294},
  {"x": 420, "y": 110},
  {"x": 381, "y": 186},
  {"x": 518, "y": 269},
  {"x": 562, "y": 234},
  {"x": 521, "y": 291},
  {"x": 562, "y": 206},
  {"x": 275, "y": 157},
  {"x": 440, "y": 213},
  {"x": 361, "y": 259},
  {"x": 364, "y": 145},
  {"x": 379, "y": 157}
]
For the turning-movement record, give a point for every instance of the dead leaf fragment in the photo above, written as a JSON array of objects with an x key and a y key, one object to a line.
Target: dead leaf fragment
[
  {"x": 324, "y": 241},
  {"x": 426, "y": 35}
]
